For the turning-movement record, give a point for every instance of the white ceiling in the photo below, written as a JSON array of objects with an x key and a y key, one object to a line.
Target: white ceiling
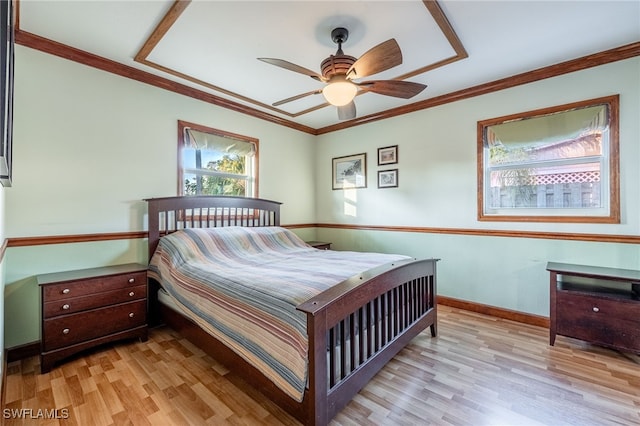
[{"x": 214, "y": 44}]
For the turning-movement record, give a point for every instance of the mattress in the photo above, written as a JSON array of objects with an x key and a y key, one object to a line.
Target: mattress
[{"x": 242, "y": 286}]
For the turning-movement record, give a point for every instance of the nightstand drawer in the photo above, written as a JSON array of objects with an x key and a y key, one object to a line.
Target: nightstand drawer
[
  {"x": 599, "y": 320},
  {"x": 91, "y": 301},
  {"x": 599, "y": 308},
  {"x": 91, "y": 286},
  {"x": 69, "y": 329}
]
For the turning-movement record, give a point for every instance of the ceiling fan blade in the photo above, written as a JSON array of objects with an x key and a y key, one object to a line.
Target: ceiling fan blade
[
  {"x": 296, "y": 97},
  {"x": 377, "y": 59},
  {"x": 293, "y": 67},
  {"x": 395, "y": 88},
  {"x": 347, "y": 112}
]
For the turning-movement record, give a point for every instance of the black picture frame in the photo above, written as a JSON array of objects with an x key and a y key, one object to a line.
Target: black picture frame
[
  {"x": 349, "y": 172},
  {"x": 388, "y": 178},
  {"x": 6, "y": 90},
  {"x": 388, "y": 155}
]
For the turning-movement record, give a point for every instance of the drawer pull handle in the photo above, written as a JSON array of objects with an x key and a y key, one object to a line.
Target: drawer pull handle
[
  {"x": 596, "y": 309},
  {"x": 66, "y": 306},
  {"x": 131, "y": 294},
  {"x": 66, "y": 291},
  {"x": 132, "y": 280},
  {"x": 66, "y": 331},
  {"x": 131, "y": 314}
]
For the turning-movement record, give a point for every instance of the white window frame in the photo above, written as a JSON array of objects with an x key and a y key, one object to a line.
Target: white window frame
[{"x": 251, "y": 176}]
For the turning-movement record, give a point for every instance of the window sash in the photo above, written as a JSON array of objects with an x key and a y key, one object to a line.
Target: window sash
[
  {"x": 198, "y": 138},
  {"x": 207, "y": 172},
  {"x": 602, "y": 151}
]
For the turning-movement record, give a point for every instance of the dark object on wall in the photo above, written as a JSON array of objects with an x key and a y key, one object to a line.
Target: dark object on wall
[{"x": 6, "y": 91}]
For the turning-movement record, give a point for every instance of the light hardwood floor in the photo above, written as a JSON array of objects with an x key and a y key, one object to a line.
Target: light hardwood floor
[{"x": 478, "y": 371}]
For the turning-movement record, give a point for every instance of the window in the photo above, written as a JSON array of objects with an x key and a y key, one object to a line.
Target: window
[
  {"x": 558, "y": 164},
  {"x": 214, "y": 162}
]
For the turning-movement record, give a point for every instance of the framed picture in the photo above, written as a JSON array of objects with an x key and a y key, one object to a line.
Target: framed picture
[
  {"x": 6, "y": 90},
  {"x": 388, "y": 155},
  {"x": 350, "y": 171},
  {"x": 388, "y": 178}
]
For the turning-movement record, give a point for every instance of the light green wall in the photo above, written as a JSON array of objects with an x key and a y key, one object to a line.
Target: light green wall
[
  {"x": 103, "y": 143},
  {"x": 497, "y": 271},
  {"x": 89, "y": 146},
  {"x": 22, "y": 294},
  {"x": 437, "y": 189}
]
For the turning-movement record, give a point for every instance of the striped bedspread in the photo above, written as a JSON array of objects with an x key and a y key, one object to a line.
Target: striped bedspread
[{"x": 242, "y": 285}]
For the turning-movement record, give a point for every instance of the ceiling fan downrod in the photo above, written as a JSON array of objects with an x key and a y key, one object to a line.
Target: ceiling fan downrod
[
  {"x": 339, "y": 35},
  {"x": 338, "y": 63}
]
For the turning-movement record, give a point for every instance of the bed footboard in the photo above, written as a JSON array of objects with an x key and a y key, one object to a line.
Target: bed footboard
[{"x": 356, "y": 327}]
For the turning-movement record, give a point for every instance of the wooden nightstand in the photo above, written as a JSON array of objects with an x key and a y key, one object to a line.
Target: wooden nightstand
[
  {"x": 604, "y": 309},
  {"x": 85, "y": 308},
  {"x": 319, "y": 245}
]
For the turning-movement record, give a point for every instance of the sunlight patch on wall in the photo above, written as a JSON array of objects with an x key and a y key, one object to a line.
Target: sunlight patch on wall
[{"x": 350, "y": 202}]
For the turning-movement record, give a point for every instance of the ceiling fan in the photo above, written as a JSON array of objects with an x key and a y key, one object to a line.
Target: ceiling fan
[{"x": 340, "y": 70}]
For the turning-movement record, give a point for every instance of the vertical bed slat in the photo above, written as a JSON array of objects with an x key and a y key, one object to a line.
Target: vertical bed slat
[
  {"x": 413, "y": 300},
  {"x": 376, "y": 322},
  {"x": 390, "y": 315},
  {"x": 423, "y": 295},
  {"x": 405, "y": 305},
  {"x": 370, "y": 330},
  {"x": 352, "y": 342},
  {"x": 393, "y": 331},
  {"x": 361, "y": 335},
  {"x": 332, "y": 357},
  {"x": 164, "y": 222},
  {"x": 343, "y": 350},
  {"x": 383, "y": 315}
]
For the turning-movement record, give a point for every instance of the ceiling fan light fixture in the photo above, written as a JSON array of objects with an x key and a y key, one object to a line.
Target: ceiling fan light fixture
[{"x": 339, "y": 91}]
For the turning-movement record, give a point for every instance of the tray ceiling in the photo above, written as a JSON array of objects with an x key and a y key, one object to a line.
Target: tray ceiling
[{"x": 449, "y": 45}]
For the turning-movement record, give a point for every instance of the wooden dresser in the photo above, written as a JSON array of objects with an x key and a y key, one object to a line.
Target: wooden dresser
[
  {"x": 595, "y": 304},
  {"x": 85, "y": 308}
]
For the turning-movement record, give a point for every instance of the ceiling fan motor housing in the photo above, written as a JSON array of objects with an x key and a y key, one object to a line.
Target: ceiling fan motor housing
[{"x": 336, "y": 64}]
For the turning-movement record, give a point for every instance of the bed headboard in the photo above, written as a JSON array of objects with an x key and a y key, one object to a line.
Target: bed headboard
[{"x": 169, "y": 214}]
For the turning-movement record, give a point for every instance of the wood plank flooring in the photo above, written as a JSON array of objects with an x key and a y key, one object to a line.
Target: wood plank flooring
[{"x": 478, "y": 371}]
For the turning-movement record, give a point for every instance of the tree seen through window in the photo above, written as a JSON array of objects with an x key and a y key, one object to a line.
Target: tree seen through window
[{"x": 213, "y": 162}]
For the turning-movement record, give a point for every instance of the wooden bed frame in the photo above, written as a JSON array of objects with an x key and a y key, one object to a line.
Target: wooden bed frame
[{"x": 354, "y": 328}]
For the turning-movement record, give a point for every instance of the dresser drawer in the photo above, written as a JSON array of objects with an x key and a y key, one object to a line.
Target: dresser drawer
[
  {"x": 91, "y": 286},
  {"x": 599, "y": 320},
  {"x": 83, "y": 303},
  {"x": 69, "y": 329}
]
